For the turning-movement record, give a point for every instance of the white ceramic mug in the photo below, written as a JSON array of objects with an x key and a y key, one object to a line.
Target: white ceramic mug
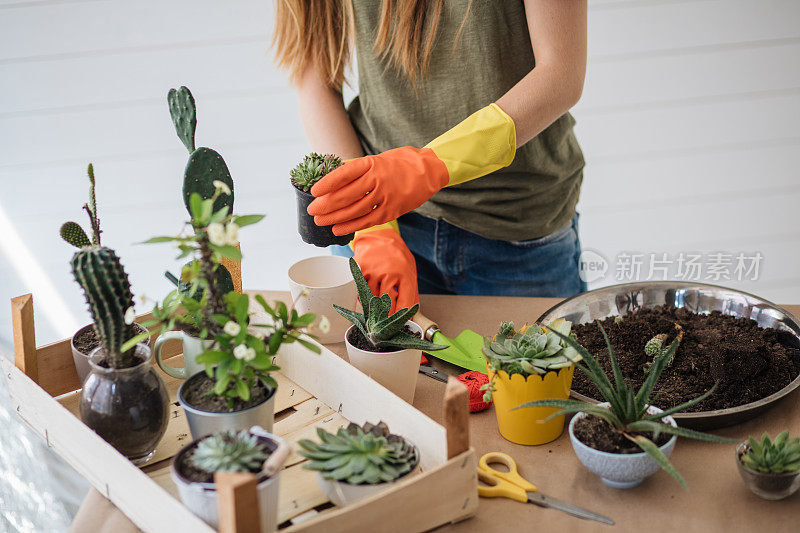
[
  {"x": 192, "y": 347},
  {"x": 316, "y": 284}
]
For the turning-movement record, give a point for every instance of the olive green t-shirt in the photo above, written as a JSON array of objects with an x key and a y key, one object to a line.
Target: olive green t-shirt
[{"x": 535, "y": 195}]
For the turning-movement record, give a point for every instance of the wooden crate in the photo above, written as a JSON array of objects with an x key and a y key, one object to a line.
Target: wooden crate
[{"x": 314, "y": 391}]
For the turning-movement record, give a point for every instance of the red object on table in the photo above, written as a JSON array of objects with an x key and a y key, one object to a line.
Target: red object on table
[{"x": 474, "y": 380}]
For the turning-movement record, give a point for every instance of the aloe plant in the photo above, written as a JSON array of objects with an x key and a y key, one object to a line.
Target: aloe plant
[
  {"x": 367, "y": 454},
  {"x": 779, "y": 456},
  {"x": 229, "y": 451},
  {"x": 379, "y": 328},
  {"x": 627, "y": 411}
]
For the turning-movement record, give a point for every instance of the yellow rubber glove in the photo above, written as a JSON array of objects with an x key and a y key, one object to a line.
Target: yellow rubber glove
[{"x": 376, "y": 189}]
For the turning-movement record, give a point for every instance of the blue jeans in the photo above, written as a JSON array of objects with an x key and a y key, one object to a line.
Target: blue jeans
[{"x": 451, "y": 260}]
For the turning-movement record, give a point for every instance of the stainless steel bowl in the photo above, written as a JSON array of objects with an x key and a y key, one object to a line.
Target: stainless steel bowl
[{"x": 619, "y": 300}]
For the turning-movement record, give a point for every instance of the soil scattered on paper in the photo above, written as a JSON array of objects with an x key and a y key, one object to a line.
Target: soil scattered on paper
[{"x": 747, "y": 361}]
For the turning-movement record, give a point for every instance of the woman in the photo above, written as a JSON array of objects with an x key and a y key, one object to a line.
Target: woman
[{"x": 487, "y": 204}]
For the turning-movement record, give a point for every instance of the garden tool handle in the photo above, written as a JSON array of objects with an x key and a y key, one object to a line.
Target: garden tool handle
[
  {"x": 429, "y": 327},
  {"x": 512, "y": 476},
  {"x": 277, "y": 458}
]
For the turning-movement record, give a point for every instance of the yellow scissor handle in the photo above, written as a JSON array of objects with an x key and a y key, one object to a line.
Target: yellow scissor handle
[
  {"x": 496, "y": 488},
  {"x": 512, "y": 476}
]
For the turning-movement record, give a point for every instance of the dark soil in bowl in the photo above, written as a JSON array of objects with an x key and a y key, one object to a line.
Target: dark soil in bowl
[
  {"x": 596, "y": 433},
  {"x": 189, "y": 472},
  {"x": 357, "y": 339},
  {"x": 85, "y": 340},
  {"x": 198, "y": 392},
  {"x": 747, "y": 361}
]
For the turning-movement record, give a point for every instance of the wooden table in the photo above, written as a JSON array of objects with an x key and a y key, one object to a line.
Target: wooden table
[{"x": 717, "y": 499}]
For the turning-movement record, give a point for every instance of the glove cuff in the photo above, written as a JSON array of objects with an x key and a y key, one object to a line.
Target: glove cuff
[{"x": 482, "y": 143}]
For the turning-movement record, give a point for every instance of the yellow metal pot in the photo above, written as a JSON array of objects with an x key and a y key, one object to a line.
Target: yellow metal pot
[{"x": 527, "y": 426}]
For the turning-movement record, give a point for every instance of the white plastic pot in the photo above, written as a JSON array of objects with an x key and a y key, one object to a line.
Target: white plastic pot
[
  {"x": 620, "y": 470},
  {"x": 397, "y": 371},
  {"x": 341, "y": 493},
  {"x": 201, "y": 498},
  {"x": 316, "y": 284},
  {"x": 81, "y": 359}
]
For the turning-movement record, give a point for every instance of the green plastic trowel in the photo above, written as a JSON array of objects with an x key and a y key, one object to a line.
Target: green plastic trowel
[{"x": 465, "y": 350}]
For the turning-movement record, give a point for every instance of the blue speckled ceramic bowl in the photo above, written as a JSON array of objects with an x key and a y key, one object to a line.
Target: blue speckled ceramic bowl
[{"x": 619, "y": 470}]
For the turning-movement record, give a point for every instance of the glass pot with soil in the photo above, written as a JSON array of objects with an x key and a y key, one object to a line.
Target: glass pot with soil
[
  {"x": 770, "y": 468},
  {"x": 84, "y": 342},
  {"x": 254, "y": 450},
  {"x": 309, "y": 171},
  {"x": 127, "y": 407}
]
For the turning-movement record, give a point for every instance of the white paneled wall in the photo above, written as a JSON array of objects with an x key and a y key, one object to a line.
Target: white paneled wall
[{"x": 687, "y": 121}]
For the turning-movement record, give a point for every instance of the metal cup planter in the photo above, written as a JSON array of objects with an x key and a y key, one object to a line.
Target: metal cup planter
[
  {"x": 201, "y": 498},
  {"x": 202, "y": 423}
]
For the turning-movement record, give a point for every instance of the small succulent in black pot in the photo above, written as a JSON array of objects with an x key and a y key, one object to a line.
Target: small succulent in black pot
[
  {"x": 309, "y": 171},
  {"x": 123, "y": 399}
]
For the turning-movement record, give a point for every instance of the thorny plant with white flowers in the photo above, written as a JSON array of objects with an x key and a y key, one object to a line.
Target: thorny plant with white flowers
[{"x": 242, "y": 352}]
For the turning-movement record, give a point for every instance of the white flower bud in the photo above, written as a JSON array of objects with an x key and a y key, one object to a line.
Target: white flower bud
[
  {"x": 241, "y": 351},
  {"x": 232, "y": 234},
  {"x": 251, "y": 354},
  {"x": 216, "y": 234},
  {"x": 232, "y": 328},
  {"x": 222, "y": 187},
  {"x": 130, "y": 315},
  {"x": 324, "y": 324}
]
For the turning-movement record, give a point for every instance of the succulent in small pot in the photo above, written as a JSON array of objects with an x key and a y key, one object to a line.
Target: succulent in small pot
[
  {"x": 255, "y": 451},
  {"x": 123, "y": 399},
  {"x": 527, "y": 365},
  {"x": 625, "y": 439},
  {"x": 770, "y": 468},
  {"x": 385, "y": 347},
  {"x": 234, "y": 390},
  {"x": 309, "y": 171},
  {"x": 358, "y": 461}
]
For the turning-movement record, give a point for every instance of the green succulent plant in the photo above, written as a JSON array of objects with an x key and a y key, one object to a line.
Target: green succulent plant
[
  {"x": 108, "y": 292},
  {"x": 367, "y": 454},
  {"x": 779, "y": 456},
  {"x": 229, "y": 451},
  {"x": 205, "y": 166},
  {"x": 379, "y": 328},
  {"x": 628, "y": 408},
  {"x": 531, "y": 350},
  {"x": 312, "y": 168},
  {"x": 655, "y": 346},
  {"x": 72, "y": 232}
]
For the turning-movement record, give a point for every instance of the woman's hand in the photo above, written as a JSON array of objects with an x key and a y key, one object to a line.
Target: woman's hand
[
  {"x": 388, "y": 266},
  {"x": 376, "y": 189}
]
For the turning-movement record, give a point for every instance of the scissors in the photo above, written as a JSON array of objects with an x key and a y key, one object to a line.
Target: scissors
[{"x": 513, "y": 486}]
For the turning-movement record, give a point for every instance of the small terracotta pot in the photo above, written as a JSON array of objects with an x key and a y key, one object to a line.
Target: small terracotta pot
[
  {"x": 397, "y": 371},
  {"x": 527, "y": 425}
]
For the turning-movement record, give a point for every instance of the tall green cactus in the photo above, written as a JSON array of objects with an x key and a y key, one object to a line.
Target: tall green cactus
[
  {"x": 205, "y": 165},
  {"x": 108, "y": 293},
  {"x": 72, "y": 232}
]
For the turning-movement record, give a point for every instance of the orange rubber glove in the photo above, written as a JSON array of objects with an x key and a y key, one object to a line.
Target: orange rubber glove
[
  {"x": 387, "y": 265},
  {"x": 376, "y": 189}
]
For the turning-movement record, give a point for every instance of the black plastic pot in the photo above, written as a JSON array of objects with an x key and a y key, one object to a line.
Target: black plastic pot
[
  {"x": 311, "y": 233},
  {"x": 128, "y": 407}
]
